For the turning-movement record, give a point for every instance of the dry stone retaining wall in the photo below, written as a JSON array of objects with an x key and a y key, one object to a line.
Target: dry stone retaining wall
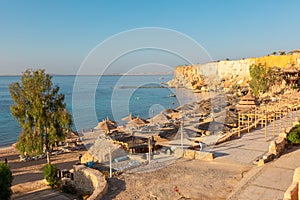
[{"x": 87, "y": 180}]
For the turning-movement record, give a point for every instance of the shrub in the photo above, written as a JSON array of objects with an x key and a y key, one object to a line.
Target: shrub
[
  {"x": 262, "y": 78},
  {"x": 105, "y": 173},
  {"x": 294, "y": 135},
  {"x": 67, "y": 187},
  {"x": 50, "y": 174},
  {"x": 5, "y": 181}
]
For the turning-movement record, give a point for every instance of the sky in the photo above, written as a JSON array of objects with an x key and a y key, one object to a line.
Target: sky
[{"x": 59, "y": 35}]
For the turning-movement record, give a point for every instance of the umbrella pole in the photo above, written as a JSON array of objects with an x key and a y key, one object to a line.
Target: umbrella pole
[
  {"x": 110, "y": 171},
  {"x": 181, "y": 135},
  {"x": 149, "y": 150}
]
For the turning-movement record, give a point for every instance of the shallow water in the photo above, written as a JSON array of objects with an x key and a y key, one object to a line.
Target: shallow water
[{"x": 113, "y": 96}]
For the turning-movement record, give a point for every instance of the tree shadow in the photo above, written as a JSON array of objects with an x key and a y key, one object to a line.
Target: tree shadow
[
  {"x": 220, "y": 154},
  {"x": 115, "y": 187},
  {"x": 27, "y": 177},
  {"x": 46, "y": 194}
]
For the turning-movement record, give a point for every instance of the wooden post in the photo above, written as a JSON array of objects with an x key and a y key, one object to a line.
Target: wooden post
[
  {"x": 181, "y": 135},
  {"x": 288, "y": 117},
  {"x": 243, "y": 118},
  {"x": 110, "y": 170},
  {"x": 280, "y": 121},
  {"x": 239, "y": 126},
  {"x": 262, "y": 118},
  {"x": 248, "y": 123},
  {"x": 48, "y": 157},
  {"x": 255, "y": 121},
  {"x": 274, "y": 121},
  {"x": 266, "y": 126},
  {"x": 291, "y": 117},
  {"x": 149, "y": 150}
]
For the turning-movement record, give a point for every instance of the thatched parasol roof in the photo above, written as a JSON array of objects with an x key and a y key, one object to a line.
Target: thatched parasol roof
[
  {"x": 138, "y": 122},
  {"x": 247, "y": 102},
  {"x": 161, "y": 118},
  {"x": 185, "y": 107},
  {"x": 290, "y": 70},
  {"x": 71, "y": 136},
  {"x": 128, "y": 118},
  {"x": 170, "y": 110},
  {"x": 212, "y": 126},
  {"x": 111, "y": 121},
  {"x": 106, "y": 125}
]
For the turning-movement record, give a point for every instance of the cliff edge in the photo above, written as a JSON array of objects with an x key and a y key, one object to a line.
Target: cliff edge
[{"x": 230, "y": 72}]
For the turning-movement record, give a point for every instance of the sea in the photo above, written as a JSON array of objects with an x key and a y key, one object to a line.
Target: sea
[{"x": 90, "y": 99}]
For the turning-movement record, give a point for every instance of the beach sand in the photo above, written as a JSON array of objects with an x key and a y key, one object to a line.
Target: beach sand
[
  {"x": 28, "y": 176},
  {"x": 195, "y": 179}
]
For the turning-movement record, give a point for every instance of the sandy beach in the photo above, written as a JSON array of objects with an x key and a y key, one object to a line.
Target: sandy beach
[
  {"x": 28, "y": 176},
  {"x": 195, "y": 179}
]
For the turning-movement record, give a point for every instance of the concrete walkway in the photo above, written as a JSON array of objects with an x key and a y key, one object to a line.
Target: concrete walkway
[
  {"x": 45, "y": 194},
  {"x": 269, "y": 181},
  {"x": 249, "y": 146},
  {"x": 266, "y": 182}
]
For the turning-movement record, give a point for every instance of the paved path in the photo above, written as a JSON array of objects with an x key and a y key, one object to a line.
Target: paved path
[
  {"x": 250, "y": 146},
  {"x": 269, "y": 181},
  {"x": 266, "y": 182},
  {"x": 45, "y": 194}
]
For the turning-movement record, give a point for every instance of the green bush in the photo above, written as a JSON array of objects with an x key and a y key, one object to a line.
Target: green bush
[
  {"x": 5, "y": 181},
  {"x": 50, "y": 175},
  {"x": 67, "y": 187},
  {"x": 294, "y": 135},
  {"x": 262, "y": 78}
]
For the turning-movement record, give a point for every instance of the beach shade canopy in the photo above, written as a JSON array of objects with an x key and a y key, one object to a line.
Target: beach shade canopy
[
  {"x": 212, "y": 126},
  {"x": 106, "y": 125},
  {"x": 100, "y": 150},
  {"x": 185, "y": 107},
  {"x": 72, "y": 136},
  {"x": 204, "y": 107},
  {"x": 137, "y": 122},
  {"x": 128, "y": 118},
  {"x": 170, "y": 111},
  {"x": 247, "y": 102},
  {"x": 161, "y": 118},
  {"x": 290, "y": 70},
  {"x": 111, "y": 121},
  {"x": 231, "y": 118}
]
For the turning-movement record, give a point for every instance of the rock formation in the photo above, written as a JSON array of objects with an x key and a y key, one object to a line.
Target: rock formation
[{"x": 231, "y": 72}]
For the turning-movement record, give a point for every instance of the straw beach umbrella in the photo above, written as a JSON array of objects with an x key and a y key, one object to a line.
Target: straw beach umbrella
[
  {"x": 137, "y": 122},
  {"x": 161, "y": 118},
  {"x": 128, "y": 118},
  {"x": 247, "y": 102},
  {"x": 212, "y": 126},
  {"x": 106, "y": 125}
]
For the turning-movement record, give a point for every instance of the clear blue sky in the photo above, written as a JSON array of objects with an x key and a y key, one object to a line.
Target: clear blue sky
[{"x": 58, "y": 34}]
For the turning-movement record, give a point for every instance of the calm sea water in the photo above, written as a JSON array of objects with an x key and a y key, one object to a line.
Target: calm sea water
[{"x": 114, "y": 96}]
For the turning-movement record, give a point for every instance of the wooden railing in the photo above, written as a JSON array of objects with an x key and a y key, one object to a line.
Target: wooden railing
[{"x": 262, "y": 115}]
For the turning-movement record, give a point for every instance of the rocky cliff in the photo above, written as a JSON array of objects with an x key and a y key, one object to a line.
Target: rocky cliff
[{"x": 198, "y": 77}]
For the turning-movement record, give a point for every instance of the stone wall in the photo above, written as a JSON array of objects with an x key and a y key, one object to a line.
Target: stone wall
[
  {"x": 90, "y": 181},
  {"x": 192, "y": 154},
  {"x": 277, "y": 147},
  {"x": 292, "y": 193}
]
